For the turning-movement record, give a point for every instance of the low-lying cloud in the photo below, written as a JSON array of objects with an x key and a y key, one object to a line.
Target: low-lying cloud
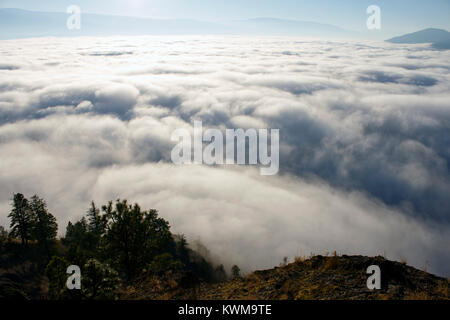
[{"x": 364, "y": 140}]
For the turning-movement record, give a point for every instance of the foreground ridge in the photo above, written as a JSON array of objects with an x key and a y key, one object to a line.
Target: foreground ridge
[{"x": 317, "y": 278}]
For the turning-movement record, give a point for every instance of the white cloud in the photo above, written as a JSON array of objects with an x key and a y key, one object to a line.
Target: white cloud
[
  {"x": 256, "y": 221},
  {"x": 364, "y": 134}
]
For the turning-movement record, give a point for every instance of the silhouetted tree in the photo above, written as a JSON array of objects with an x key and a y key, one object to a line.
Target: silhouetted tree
[
  {"x": 3, "y": 234},
  {"x": 21, "y": 219},
  {"x": 235, "y": 271},
  {"x": 83, "y": 237},
  {"x": 44, "y": 224},
  {"x": 97, "y": 222},
  {"x": 75, "y": 233},
  {"x": 182, "y": 249},
  {"x": 134, "y": 237},
  {"x": 194, "y": 261},
  {"x": 79, "y": 242},
  {"x": 219, "y": 273}
]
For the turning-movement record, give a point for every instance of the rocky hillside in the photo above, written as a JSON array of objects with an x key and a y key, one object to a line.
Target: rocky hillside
[
  {"x": 335, "y": 277},
  {"x": 319, "y": 277}
]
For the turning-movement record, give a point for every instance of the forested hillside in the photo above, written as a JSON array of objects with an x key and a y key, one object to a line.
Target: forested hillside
[{"x": 125, "y": 252}]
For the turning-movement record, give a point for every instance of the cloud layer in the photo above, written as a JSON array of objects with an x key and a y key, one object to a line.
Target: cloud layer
[{"x": 364, "y": 139}]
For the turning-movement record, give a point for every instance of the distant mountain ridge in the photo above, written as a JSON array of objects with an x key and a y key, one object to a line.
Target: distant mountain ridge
[
  {"x": 18, "y": 23},
  {"x": 439, "y": 38},
  {"x": 267, "y": 25}
]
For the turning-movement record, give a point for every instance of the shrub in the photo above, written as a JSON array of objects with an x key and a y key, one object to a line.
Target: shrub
[
  {"x": 98, "y": 281},
  {"x": 57, "y": 277},
  {"x": 163, "y": 263}
]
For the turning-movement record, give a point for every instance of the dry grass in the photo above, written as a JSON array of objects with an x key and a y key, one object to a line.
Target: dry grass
[
  {"x": 332, "y": 262},
  {"x": 300, "y": 259},
  {"x": 443, "y": 289},
  {"x": 415, "y": 295}
]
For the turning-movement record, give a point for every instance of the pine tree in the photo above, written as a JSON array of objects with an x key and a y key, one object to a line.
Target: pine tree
[
  {"x": 182, "y": 248},
  {"x": 219, "y": 273},
  {"x": 134, "y": 237},
  {"x": 96, "y": 221},
  {"x": 21, "y": 219},
  {"x": 235, "y": 271},
  {"x": 45, "y": 226},
  {"x": 79, "y": 241},
  {"x": 3, "y": 234},
  {"x": 76, "y": 232}
]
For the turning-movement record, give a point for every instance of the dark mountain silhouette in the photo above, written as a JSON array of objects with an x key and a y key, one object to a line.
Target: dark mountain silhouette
[{"x": 439, "y": 39}]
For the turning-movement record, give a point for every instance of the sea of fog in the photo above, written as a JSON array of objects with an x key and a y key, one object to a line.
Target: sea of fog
[{"x": 364, "y": 140}]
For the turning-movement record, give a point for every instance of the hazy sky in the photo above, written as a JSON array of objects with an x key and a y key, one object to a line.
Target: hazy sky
[{"x": 397, "y": 15}]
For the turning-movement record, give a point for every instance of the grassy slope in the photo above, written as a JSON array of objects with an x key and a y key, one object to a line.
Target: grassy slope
[{"x": 335, "y": 277}]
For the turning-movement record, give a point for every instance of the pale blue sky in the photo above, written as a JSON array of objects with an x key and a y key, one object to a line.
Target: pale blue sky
[{"x": 398, "y": 16}]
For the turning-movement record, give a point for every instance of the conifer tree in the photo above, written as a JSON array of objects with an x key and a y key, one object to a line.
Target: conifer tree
[
  {"x": 96, "y": 221},
  {"x": 21, "y": 219},
  {"x": 44, "y": 224},
  {"x": 236, "y": 271},
  {"x": 134, "y": 237}
]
